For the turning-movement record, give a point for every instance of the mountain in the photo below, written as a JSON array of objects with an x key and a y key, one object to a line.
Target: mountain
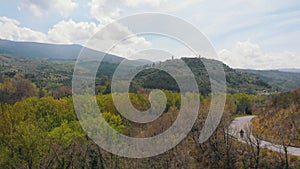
[
  {"x": 50, "y": 51},
  {"x": 280, "y": 80},
  {"x": 290, "y": 70},
  {"x": 143, "y": 61},
  {"x": 237, "y": 82}
]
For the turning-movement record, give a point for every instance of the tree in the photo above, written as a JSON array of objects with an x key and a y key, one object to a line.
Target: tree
[
  {"x": 60, "y": 92},
  {"x": 67, "y": 142},
  {"x": 243, "y": 103},
  {"x": 15, "y": 89}
]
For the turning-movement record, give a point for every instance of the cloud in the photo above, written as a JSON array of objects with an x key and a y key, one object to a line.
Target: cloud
[
  {"x": 249, "y": 55},
  {"x": 70, "y": 32},
  {"x": 135, "y": 3},
  {"x": 10, "y": 29},
  {"x": 119, "y": 40},
  {"x": 41, "y": 7},
  {"x": 106, "y": 11},
  {"x": 238, "y": 20},
  {"x": 9, "y": 20},
  {"x": 274, "y": 25},
  {"x": 87, "y": 33}
]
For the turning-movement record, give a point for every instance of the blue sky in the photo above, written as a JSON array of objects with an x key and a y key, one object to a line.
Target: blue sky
[{"x": 259, "y": 34}]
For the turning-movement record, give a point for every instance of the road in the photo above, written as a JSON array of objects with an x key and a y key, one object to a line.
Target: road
[{"x": 244, "y": 123}]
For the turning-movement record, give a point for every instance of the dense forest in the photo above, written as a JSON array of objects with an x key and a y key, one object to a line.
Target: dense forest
[{"x": 40, "y": 131}]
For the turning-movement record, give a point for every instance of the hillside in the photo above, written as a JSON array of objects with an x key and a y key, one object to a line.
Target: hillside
[
  {"x": 43, "y": 73},
  {"x": 51, "y": 73},
  {"x": 279, "y": 122},
  {"x": 237, "y": 82},
  {"x": 282, "y": 80}
]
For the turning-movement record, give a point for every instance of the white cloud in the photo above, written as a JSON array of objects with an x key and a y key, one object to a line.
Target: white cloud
[
  {"x": 87, "y": 33},
  {"x": 119, "y": 39},
  {"x": 10, "y": 29},
  {"x": 250, "y": 55},
  {"x": 106, "y": 11},
  {"x": 135, "y": 3},
  {"x": 70, "y": 32},
  {"x": 9, "y": 20},
  {"x": 41, "y": 7}
]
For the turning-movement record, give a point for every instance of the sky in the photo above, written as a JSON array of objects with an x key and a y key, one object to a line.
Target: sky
[{"x": 256, "y": 34}]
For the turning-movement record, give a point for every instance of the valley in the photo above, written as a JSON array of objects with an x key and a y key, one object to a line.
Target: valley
[{"x": 40, "y": 129}]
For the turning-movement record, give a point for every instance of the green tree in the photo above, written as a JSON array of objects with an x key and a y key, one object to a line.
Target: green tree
[{"x": 243, "y": 102}]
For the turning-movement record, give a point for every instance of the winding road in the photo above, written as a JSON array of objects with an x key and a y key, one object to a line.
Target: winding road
[{"x": 244, "y": 123}]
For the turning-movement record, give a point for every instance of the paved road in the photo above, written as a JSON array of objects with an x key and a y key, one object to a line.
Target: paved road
[{"x": 244, "y": 123}]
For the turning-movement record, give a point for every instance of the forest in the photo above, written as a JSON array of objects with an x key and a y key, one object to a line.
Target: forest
[{"x": 39, "y": 129}]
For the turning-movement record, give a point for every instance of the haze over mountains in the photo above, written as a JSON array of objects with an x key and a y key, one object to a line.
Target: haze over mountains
[
  {"x": 283, "y": 80},
  {"x": 295, "y": 70},
  {"x": 53, "y": 51}
]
